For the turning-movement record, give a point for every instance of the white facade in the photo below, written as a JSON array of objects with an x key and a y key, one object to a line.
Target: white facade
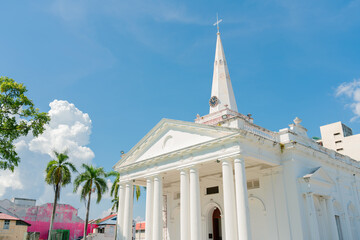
[
  {"x": 339, "y": 137},
  {"x": 224, "y": 177}
]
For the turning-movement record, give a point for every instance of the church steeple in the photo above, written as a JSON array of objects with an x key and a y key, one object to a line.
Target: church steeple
[
  {"x": 222, "y": 94},
  {"x": 223, "y": 109}
]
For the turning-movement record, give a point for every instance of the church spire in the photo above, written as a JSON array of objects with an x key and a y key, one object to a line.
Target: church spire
[{"x": 222, "y": 94}]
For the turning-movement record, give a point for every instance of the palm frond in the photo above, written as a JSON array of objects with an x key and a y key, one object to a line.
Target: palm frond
[
  {"x": 137, "y": 192},
  {"x": 115, "y": 205},
  {"x": 72, "y": 166},
  {"x": 92, "y": 177}
]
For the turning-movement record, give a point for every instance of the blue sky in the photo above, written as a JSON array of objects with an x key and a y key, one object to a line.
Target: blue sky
[{"x": 128, "y": 64}]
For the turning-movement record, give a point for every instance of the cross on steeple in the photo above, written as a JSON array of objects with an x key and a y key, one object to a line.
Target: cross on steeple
[
  {"x": 221, "y": 85},
  {"x": 217, "y": 22}
]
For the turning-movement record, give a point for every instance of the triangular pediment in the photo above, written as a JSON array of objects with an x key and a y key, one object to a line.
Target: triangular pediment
[
  {"x": 319, "y": 175},
  {"x": 169, "y": 136}
]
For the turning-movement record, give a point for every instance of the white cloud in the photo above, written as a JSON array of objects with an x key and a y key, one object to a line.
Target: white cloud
[
  {"x": 158, "y": 10},
  {"x": 9, "y": 179},
  {"x": 139, "y": 219},
  {"x": 352, "y": 91},
  {"x": 69, "y": 129},
  {"x": 133, "y": 18},
  {"x": 105, "y": 213}
]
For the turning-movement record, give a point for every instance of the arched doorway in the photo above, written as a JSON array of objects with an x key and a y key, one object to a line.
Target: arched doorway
[{"x": 216, "y": 223}]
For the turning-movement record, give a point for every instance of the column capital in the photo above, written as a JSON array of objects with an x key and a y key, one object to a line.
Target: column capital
[
  {"x": 149, "y": 179},
  {"x": 239, "y": 160},
  {"x": 226, "y": 160},
  {"x": 194, "y": 168},
  {"x": 227, "y": 163},
  {"x": 237, "y": 157},
  {"x": 183, "y": 169},
  {"x": 153, "y": 175},
  {"x": 127, "y": 181}
]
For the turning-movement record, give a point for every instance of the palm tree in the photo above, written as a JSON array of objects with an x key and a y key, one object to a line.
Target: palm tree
[
  {"x": 92, "y": 180},
  {"x": 115, "y": 188},
  {"x": 58, "y": 174},
  {"x": 115, "y": 205}
]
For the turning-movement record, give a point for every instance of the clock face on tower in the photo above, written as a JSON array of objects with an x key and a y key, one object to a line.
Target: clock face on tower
[{"x": 214, "y": 101}]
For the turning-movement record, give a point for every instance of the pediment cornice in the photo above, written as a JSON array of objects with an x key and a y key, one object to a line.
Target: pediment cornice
[
  {"x": 166, "y": 125},
  {"x": 180, "y": 152}
]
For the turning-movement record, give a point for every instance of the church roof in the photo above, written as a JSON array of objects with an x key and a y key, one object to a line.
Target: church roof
[
  {"x": 4, "y": 216},
  {"x": 221, "y": 84},
  {"x": 108, "y": 220}
]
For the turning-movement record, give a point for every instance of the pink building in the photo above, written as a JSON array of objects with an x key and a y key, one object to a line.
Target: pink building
[
  {"x": 39, "y": 216},
  {"x": 66, "y": 218}
]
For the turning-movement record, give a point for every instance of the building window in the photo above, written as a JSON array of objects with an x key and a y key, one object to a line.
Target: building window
[
  {"x": 212, "y": 190},
  {"x": 347, "y": 131},
  {"x": 339, "y": 141},
  {"x": 6, "y": 224},
  {"x": 339, "y": 149},
  {"x": 252, "y": 184},
  {"x": 336, "y": 134}
]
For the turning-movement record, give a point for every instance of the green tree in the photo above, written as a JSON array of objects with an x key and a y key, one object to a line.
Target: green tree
[
  {"x": 18, "y": 117},
  {"x": 115, "y": 202},
  {"x": 114, "y": 191},
  {"x": 92, "y": 179},
  {"x": 58, "y": 174}
]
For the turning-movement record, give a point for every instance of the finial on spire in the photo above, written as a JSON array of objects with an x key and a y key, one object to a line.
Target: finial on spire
[{"x": 217, "y": 23}]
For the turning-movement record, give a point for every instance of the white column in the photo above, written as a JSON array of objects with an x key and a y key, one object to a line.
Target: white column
[
  {"x": 120, "y": 216},
  {"x": 157, "y": 231},
  {"x": 331, "y": 216},
  {"x": 242, "y": 204},
  {"x": 184, "y": 205},
  {"x": 195, "y": 209},
  {"x": 149, "y": 208},
  {"x": 229, "y": 201},
  {"x": 127, "y": 222},
  {"x": 314, "y": 228}
]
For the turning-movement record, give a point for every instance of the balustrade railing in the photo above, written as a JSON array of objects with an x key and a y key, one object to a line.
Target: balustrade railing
[{"x": 260, "y": 131}]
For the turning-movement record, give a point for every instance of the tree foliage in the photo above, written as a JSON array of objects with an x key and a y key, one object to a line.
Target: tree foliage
[
  {"x": 58, "y": 175},
  {"x": 91, "y": 180},
  {"x": 58, "y": 171},
  {"x": 114, "y": 191},
  {"x": 18, "y": 117}
]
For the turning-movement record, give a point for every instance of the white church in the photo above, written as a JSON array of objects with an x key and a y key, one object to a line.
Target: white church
[{"x": 223, "y": 177}]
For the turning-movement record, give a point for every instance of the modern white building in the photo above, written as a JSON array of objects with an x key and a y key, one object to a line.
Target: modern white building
[
  {"x": 339, "y": 137},
  {"x": 223, "y": 177}
]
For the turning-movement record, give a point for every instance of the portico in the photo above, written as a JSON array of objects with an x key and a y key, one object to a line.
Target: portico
[{"x": 193, "y": 182}]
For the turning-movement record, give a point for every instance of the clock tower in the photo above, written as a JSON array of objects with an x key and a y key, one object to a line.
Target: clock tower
[{"x": 222, "y": 101}]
